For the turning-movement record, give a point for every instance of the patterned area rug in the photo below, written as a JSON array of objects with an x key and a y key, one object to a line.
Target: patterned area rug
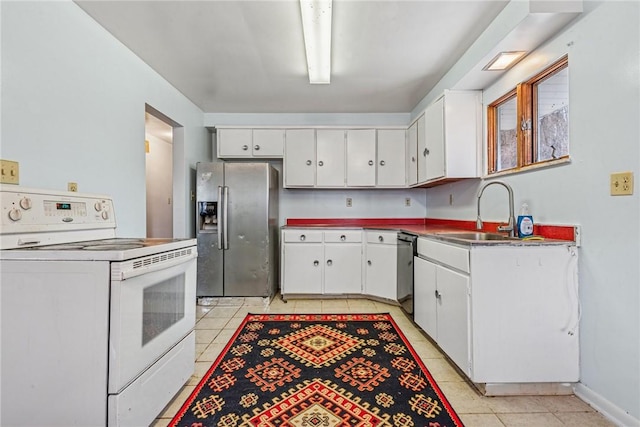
[{"x": 324, "y": 370}]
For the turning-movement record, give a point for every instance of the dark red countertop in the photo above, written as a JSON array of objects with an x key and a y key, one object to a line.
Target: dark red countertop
[{"x": 428, "y": 225}]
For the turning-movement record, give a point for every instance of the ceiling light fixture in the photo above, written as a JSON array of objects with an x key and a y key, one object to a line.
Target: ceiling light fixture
[
  {"x": 504, "y": 60},
  {"x": 316, "y": 25}
]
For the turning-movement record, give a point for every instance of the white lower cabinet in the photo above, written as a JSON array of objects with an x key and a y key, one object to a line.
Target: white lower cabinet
[
  {"x": 342, "y": 272},
  {"x": 316, "y": 261},
  {"x": 381, "y": 264},
  {"x": 302, "y": 272},
  {"x": 502, "y": 313},
  {"x": 443, "y": 311}
]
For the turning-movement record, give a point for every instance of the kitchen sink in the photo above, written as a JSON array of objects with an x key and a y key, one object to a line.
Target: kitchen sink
[{"x": 477, "y": 236}]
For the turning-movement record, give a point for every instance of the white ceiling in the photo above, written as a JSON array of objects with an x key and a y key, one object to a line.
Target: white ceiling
[{"x": 248, "y": 56}]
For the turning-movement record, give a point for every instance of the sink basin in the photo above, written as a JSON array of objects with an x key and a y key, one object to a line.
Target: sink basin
[{"x": 477, "y": 236}]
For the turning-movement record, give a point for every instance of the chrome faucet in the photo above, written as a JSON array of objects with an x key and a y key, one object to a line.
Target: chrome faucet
[{"x": 511, "y": 224}]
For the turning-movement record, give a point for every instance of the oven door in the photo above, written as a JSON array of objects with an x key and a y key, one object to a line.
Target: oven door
[{"x": 151, "y": 311}]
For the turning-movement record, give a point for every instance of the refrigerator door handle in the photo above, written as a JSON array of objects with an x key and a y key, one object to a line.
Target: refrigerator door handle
[
  {"x": 220, "y": 220},
  {"x": 225, "y": 222}
]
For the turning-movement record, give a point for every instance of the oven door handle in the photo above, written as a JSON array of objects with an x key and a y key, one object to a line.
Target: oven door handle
[{"x": 221, "y": 219}]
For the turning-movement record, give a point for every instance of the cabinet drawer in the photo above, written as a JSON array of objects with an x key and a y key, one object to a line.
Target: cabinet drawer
[
  {"x": 343, "y": 236},
  {"x": 449, "y": 255},
  {"x": 303, "y": 236},
  {"x": 384, "y": 237}
]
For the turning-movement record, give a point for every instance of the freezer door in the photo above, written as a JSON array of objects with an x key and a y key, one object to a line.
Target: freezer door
[
  {"x": 248, "y": 269},
  {"x": 209, "y": 184}
]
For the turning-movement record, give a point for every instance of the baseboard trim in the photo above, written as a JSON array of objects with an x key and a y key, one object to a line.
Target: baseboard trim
[{"x": 609, "y": 410}]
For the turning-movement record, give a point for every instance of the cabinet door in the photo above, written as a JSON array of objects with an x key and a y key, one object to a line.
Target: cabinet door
[
  {"x": 302, "y": 268},
  {"x": 434, "y": 136},
  {"x": 342, "y": 268},
  {"x": 412, "y": 154},
  {"x": 453, "y": 316},
  {"x": 392, "y": 158},
  {"x": 234, "y": 142},
  {"x": 380, "y": 271},
  {"x": 300, "y": 158},
  {"x": 330, "y": 158},
  {"x": 424, "y": 296},
  {"x": 361, "y": 158},
  {"x": 268, "y": 142},
  {"x": 422, "y": 149}
]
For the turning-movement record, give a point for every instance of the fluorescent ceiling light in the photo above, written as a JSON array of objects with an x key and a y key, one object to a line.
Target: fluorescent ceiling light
[
  {"x": 504, "y": 60},
  {"x": 316, "y": 25}
]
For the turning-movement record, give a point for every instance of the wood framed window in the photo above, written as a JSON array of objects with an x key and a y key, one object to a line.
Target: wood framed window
[{"x": 530, "y": 124}]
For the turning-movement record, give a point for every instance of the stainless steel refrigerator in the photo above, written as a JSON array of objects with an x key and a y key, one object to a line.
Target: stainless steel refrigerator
[{"x": 237, "y": 229}]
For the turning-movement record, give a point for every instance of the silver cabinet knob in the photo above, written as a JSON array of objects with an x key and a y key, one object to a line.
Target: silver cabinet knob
[
  {"x": 256, "y": 147},
  {"x": 380, "y": 238},
  {"x": 413, "y": 159},
  {"x": 245, "y": 147},
  {"x": 316, "y": 263},
  {"x": 381, "y": 162},
  {"x": 343, "y": 237},
  {"x": 438, "y": 294},
  {"x": 425, "y": 152},
  {"x": 369, "y": 262},
  {"x": 370, "y": 162},
  {"x": 308, "y": 162},
  {"x": 329, "y": 262},
  {"x": 302, "y": 237},
  {"x": 320, "y": 163}
]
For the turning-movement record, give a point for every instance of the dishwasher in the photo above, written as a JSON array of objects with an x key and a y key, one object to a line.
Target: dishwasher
[{"x": 406, "y": 251}]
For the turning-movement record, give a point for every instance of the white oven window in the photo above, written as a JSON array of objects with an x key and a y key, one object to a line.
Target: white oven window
[{"x": 163, "y": 306}]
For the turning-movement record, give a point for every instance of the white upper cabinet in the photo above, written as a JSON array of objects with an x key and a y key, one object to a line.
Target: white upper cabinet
[
  {"x": 361, "y": 158},
  {"x": 268, "y": 143},
  {"x": 300, "y": 158},
  {"x": 249, "y": 143},
  {"x": 421, "y": 143},
  {"x": 391, "y": 166},
  {"x": 234, "y": 142},
  {"x": 449, "y": 138},
  {"x": 330, "y": 156},
  {"x": 412, "y": 154},
  {"x": 434, "y": 140}
]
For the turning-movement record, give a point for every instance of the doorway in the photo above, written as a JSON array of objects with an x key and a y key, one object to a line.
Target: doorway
[{"x": 159, "y": 173}]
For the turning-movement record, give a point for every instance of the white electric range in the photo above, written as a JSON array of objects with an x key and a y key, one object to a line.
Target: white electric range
[{"x": 96, "y": 330}]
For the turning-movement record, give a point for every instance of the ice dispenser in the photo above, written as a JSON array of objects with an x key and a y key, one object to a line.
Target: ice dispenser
[{"x": 208, "y": 214}]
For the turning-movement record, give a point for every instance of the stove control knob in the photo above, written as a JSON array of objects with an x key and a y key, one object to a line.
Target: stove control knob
[
  {"x": 98, "y": 206},
  {"x": 105, "y": 215},
  {"x": 15, "y": 214},
  {"x": 25, "y": 203}
]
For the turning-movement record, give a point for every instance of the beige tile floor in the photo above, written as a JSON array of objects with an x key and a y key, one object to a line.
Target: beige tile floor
[{"x": 217, "y": 323}]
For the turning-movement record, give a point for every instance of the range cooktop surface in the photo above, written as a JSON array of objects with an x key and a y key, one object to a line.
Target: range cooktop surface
[{"x": 115, "y": 249}]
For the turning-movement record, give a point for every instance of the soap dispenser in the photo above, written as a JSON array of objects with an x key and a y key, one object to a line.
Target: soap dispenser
[{"x": 525, "y": 222}]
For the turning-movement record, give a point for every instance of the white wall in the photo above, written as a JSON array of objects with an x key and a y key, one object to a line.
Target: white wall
[
  {"x": 73, "y": 108},
  {"x": 603, "y": 47}
]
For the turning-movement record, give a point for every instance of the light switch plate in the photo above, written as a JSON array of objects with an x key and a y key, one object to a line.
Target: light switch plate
[
  {"x": 10, "y": 172},
  {"x": 622, "y": 184}
]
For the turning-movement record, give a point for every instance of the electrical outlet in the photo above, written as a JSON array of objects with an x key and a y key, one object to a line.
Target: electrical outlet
[
  {"x": 349, "y": 202},
  {"x": 407, "y": 201},
  {"x": 72, "y": 186},
  {"x": 622, "y": 184},
  {"x": 10, "y": 173}
]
